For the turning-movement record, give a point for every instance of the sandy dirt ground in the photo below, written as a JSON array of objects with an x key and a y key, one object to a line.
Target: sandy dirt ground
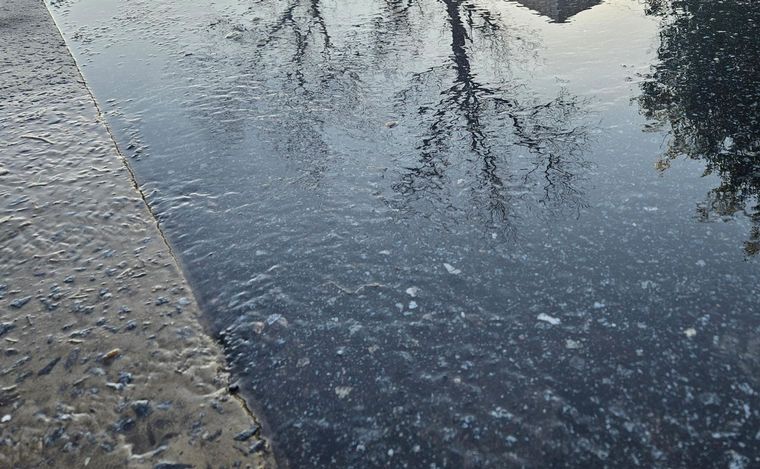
[{"x": 103, "y": 360}]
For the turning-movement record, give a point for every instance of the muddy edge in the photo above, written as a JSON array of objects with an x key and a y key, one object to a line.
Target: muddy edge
[{"x": 103, "y": 361}]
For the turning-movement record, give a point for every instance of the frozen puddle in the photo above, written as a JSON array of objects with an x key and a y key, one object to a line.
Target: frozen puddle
[{"x": 458, "y": 233}]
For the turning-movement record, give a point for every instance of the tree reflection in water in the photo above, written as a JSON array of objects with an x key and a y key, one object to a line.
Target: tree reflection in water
[
  {"x": 485, "y": 124},
  {"x": 705, "y": 91},
  {"x": 488, "y": 148}
]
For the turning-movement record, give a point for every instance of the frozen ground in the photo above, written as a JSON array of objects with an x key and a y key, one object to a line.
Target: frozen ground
[{"x": 103, "y": 362}]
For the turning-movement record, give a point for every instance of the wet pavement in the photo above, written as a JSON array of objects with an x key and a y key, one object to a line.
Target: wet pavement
[{"x": 458, "y": 233}]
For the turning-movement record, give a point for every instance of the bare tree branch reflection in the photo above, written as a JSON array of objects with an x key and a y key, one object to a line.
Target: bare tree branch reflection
[
  {"x": 488, "y": 148},
  {"x": 484, "y": 124}
]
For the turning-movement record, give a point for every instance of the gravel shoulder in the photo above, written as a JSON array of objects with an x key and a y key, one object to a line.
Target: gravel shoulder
[{"x": 103, "y": 360}]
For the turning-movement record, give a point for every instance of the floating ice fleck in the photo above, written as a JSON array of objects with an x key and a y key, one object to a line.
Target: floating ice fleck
[
  {"x": 276, "y": 318},
  {"x": 451, "y": 269},
  {"x": 572, "y": 344},
  {"x": 550, "y": 319},
  {"x": 412, "y": 291},
  {"x": 343, "y": 391},
  {"x": 690, "y": 332},
  {"x": 738, "y": 461},
  {"x": 500, "y": 413},
  {"x": 412, "y": 305},
  {"x": 728, "y": 143},
  {"x": 701, "y": 263}
]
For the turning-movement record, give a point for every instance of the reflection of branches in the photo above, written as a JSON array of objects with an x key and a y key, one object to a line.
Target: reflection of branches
[
  {"x": 705, "y": 91},
  {"x": 476, "y": 117},
  {"x": 295, "y": 52}
]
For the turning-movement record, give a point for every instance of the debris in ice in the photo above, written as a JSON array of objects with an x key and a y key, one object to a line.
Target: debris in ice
[
  {"x": 385, "y": 252},
  {"x": 343, "y": 391},
  {"x": 550, "y": 319},
  {"x": 391, "y": 124},
  {"x": 257, "y": 327},
  {"x": 451, "y": 269},
  {"x": 690, "y": 332},
  {"x": 412, "y": 291}
]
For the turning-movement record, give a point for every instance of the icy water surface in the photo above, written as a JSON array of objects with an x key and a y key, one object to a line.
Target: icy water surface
[{"x": 458, "y": 233}]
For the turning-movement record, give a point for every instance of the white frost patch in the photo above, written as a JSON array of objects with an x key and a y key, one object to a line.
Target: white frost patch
[
  {"x": 550, "y": 319},
  {"x": 451, "y": 269}
]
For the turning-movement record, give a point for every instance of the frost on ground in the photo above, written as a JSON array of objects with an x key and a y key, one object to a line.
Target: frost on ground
[{"x": 104, "y": 361}]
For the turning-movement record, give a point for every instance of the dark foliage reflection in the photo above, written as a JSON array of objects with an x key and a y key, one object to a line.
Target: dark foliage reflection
[{"x": 706, "y": 91}]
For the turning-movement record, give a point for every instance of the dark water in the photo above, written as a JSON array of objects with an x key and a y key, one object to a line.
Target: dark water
[{"x": 459, "y": 233}]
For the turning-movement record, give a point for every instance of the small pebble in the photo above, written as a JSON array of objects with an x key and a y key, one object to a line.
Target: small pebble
[
  {"x": 111, "y": 356},
  {"x": 247, "y": 434},
  {"x": 20, "y": 302}
]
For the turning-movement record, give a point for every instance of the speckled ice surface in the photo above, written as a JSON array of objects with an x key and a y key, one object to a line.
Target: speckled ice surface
[{"x": 458, "y": 233}]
